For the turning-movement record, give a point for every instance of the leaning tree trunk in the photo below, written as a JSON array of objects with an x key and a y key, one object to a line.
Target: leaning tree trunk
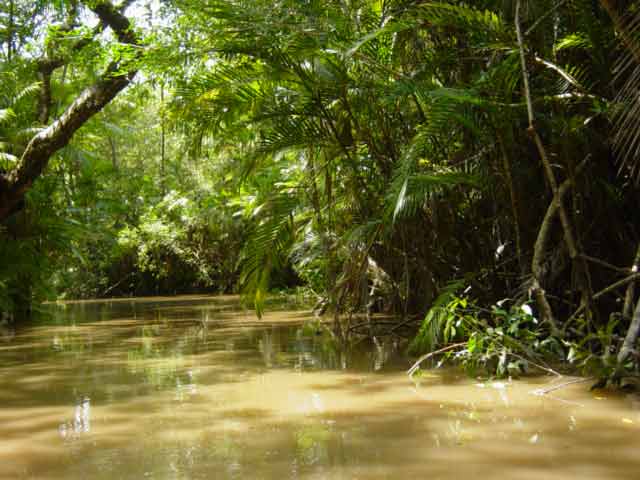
[
  {"x": 631, "y": 337},
  {"x": 634, "y": 327},
  {"x": 15, "y": 184}
]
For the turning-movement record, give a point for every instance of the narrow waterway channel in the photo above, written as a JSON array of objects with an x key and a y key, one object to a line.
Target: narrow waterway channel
[{"x": 195, "y": 387}]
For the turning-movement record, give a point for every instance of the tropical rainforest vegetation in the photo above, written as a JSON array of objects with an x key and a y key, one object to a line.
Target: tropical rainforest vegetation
[{"x": 469, "y": 165}]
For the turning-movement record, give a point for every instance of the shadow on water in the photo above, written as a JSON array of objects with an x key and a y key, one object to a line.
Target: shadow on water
[{"x": 196, "y": 387}]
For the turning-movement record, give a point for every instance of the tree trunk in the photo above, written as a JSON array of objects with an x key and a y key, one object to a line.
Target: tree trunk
[
  {"x": 114, "y": 153},
  {"x": 507, "y": 170},
  {"x": 162, "y": 142},
  {"x": 631, "y": 337},
  {"x": 10, "y": 31},
  {"x": 631, "y": 288}
]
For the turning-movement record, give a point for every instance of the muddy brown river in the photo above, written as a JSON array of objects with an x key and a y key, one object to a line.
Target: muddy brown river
[{"x": 197, "y": 388}]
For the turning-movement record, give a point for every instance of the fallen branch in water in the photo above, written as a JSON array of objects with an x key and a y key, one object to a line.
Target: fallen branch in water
[
  {"x": 544, "y": 391},
  {"x": 426, "y": 356}
]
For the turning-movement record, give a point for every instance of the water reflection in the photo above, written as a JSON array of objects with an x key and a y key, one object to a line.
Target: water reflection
[
  {"x": 81, "y": 422},
  {"x": 198, "y": 388}
]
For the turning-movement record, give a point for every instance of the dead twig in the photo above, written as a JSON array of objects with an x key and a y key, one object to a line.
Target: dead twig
[
  {"x": 604, "y": 264},
  {"x": 426, "y": 356},
  {"x": 537, "y": 365},
  {"x": 604, "y": 291}
]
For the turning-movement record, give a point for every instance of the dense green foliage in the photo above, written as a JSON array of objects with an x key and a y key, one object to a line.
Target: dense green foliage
[{"x": 372, "y": 151}]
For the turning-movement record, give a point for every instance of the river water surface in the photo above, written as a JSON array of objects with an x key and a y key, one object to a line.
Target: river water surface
[{"x": 195, "y": 387}]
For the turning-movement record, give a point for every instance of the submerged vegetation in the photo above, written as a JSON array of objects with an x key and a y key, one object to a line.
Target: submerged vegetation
[{"x": 469, "y": 168}]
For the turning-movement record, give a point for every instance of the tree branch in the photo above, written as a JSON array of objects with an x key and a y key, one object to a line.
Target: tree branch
[
  {"x": 426, "y": 356},
  {"x": 92, "y": 100},
  {"x": 620, "y": 283},
  {"x": 51, "y": 61}
]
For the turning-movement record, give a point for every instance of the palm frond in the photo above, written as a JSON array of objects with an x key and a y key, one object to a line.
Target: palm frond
[
  {"x": 431, "y": 333},
  {"x": 295, "y": 132},
  {"x": 626, "y": 113},
  {"x": 267, "y": 246},
  {"x": 7, "y": 159},
  {"x": 577, "y": 40},
  {"x": 408, "y": 194},
  {"x": 482, "y": 23},
  {"x": 28, "y": 91},
  {"x": 6, "y": 115}
]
